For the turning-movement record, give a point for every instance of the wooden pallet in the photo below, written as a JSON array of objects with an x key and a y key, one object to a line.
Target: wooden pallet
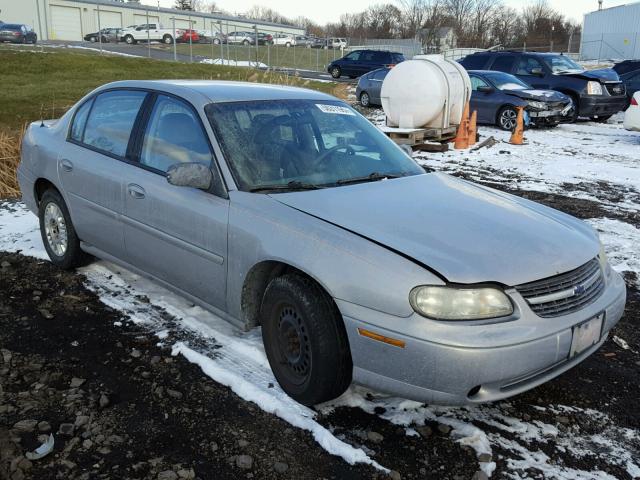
[{"x": 417, "y": 136}]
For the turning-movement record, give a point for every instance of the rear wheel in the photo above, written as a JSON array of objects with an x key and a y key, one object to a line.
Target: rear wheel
[
  {"x": 216, "y": 41},
  {"x": 93, "y": 39},
  {"x": 57, "y": 231},
  {"x": 130, "y": 40},
  {"x": 288, "y": 44},
  {"x": 305, "y": 340},
  {"x": 336, "y": 72},
  {"x": 365, "y": 100},
  {"x": 246, "y": 42},
  {"x": 507, "y": 118},
  {"x": 167, "y": 39}
]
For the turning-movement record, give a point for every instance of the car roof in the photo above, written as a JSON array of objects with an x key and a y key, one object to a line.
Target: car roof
[{"x": 202, "y": 92}]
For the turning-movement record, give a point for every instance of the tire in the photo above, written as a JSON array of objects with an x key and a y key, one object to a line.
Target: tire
[
  {"x": 93, "y": 39},
  {"x": 216, "y": 41},
  {"x": 288, "y": 44},
  {"x": 365, "y": 100},
  {"x": 601, "y": 118},
  {"x": 246, "y": 42},
  {"x": 57, "y": 231},
  {"x": 34, "y": 41},
  {"x": 167, "y": 39},
  {"x": 335, "y": 72},
  {"x": 305, "y": 340},
  {"x": 573, "y": 114},
  {"x": 506, "y": 118},
  {"x": 129, "y": 40}
]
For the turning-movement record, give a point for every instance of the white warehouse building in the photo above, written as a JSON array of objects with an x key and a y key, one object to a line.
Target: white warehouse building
[
  {"x": 611, "y": 33},
  {"x": 73, "y": 19}
]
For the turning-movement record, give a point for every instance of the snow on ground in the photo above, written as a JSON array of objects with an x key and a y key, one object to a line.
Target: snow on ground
[
  {"x": 553, "y": 161},
  {"x": 234, "y": 63}
]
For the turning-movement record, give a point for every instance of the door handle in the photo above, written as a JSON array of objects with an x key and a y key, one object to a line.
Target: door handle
[
  {"x": 136, "y": 191},
  {"x": 66, "y": 165}
]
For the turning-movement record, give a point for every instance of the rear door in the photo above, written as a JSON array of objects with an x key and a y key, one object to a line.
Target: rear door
[
  {"x": 91, "y": 162},
  {"x": 504, "y": 63},
  {"x": 376, "y": 80},
  {"x": 177, "y": 234}
]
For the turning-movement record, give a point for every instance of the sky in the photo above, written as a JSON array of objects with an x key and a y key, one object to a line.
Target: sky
[{"x": 324, "y": 11}]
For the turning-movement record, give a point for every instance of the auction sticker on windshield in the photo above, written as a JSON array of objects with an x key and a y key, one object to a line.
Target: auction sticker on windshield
[
  {"x": 586, "y": 335},
  {"x": 335, "y": 109}
]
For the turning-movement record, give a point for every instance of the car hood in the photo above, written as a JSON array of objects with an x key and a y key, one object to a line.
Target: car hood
[
  {"x": 603, "y": 74},
  {"x": 538, "y": 95},
  {"x": 464, "y": 232}
]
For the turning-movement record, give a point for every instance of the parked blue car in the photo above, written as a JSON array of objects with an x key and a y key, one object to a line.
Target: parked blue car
[
  {"x": 496, "y": 96},
  {"x": 360, "y": 62},
  {"x": 369, "y": 86},
  {"x": 629, "y": 73}
]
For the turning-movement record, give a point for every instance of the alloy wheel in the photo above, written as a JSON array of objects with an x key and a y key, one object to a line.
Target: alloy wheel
[
  {"x": 364, "y": 99},
  {"x": 508, "y": 119},
  {"x": 56, "y": 229}
]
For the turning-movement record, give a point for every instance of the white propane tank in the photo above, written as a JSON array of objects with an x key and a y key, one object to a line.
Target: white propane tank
[{"x": 425, "y": 92}]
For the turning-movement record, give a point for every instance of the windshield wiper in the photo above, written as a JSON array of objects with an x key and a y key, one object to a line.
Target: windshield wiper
[
  {"x": 292, "y": 185},
  {"x": 372, "y": 177}
]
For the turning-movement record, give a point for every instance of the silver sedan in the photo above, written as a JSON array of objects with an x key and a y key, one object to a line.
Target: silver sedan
[{"x": 284, "y": 208}]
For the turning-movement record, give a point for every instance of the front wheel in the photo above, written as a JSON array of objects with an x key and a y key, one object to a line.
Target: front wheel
[
  {"x": 216, "y": 41},
  {"x": 129, "y": 39},
  {"x": 246, "y": 42},
  {"x": 288, "y": 44},
  {"x": 57, "y": 231},
  {"x": 305, "y": 340},
  {"x": 335, "y": 72},
  {"x": 507, "y": 118},
  {"x": 93, "y": 39}
]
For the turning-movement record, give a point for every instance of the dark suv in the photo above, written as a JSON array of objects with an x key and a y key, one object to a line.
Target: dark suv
[
  {"x": 360, "y": 62},
  {"x": 597, "y": 94}
]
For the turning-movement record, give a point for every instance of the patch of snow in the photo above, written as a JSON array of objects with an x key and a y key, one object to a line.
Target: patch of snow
[
  {"x": 234, "y": 63},
  {"x": 621, "y": 241}
]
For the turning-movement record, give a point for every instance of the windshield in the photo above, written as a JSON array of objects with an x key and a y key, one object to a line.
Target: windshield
[
  {"x": 562, "y": 64},
  {"x": 505, "y": 81},
  {"x": 303, "y": 144}
]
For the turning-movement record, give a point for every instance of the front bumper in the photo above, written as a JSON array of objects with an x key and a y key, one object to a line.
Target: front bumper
[
  {"x": 595, "y": 105},
  {"x": 464, "y": 363}
]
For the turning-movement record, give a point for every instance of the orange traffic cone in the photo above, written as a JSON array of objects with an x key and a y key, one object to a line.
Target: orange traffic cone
[
  {"x": 462, "y": 138},
  {"x": 517, "y": 137},
  {"x": 473, "y": 130}
]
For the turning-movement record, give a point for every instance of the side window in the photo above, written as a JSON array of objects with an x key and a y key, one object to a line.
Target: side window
[
  {"x": 526, "y": 65},
  {"x": 477, "y": 82},
  {"x": 474, "y": 61},
  {"x": 381, "y": 57},
  {"x": 353, "y": 56},
  {"x": 174, "y": 135},
  {"x": 111, "y": 120},
  {"x": 79, "y": 121},
  {"x": 504, "y": 63},
  {"x": 380, "y": 75}
]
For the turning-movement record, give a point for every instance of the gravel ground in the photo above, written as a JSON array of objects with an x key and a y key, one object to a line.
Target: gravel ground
[{"x": 77, "y": 361}]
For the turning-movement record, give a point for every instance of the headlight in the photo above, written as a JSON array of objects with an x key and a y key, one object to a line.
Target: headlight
[
  {"x": 449, "y": 303},
  {"x": 594, "y": 88},
  {"x": 538, "y": 105}
]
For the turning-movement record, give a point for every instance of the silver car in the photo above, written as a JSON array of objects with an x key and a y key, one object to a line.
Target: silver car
[{"x": 284, "y": 208}]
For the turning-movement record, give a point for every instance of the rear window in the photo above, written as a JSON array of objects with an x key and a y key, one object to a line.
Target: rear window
[
  {"x": 7, "y": 26},
  {"x": 504, "y": 63},
  {"x": 397, "y": 57},
  {"x": 111, "y": 120},
  {"x": 474, "y": 62}
]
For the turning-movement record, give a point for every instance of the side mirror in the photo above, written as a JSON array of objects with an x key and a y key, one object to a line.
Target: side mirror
[
  {"x": 485, "y": 89},
  {"x": 195, "y": 175},
  {"x": 537, "y": 71}
]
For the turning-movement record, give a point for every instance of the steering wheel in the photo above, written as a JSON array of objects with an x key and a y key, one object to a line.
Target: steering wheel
[{"x": 348, "y": 149}]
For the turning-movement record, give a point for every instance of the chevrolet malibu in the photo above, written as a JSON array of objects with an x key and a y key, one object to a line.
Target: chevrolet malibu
[{"x": 284, "y": 209}]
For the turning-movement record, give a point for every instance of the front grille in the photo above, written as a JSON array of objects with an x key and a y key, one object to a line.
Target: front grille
[
  {"x": 615, "y": 89},
  {"x": 564, "y": 293}
]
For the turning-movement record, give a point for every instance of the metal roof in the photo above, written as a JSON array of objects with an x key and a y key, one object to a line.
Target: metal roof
[{"x": 173, "y": 11}]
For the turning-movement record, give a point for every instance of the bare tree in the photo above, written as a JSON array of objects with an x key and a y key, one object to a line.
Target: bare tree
[{"x": 413, "y": 12}]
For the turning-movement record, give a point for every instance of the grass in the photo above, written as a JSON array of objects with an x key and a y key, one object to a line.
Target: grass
[
  {"x": 275, "y": 56},
  {"x": 44, "y": 83}
]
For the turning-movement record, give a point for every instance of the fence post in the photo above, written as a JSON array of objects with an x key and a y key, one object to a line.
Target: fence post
[
  {"x": 600, "y": 49},
  {"x": 99, "y": 29},
  {"x": 190, "y": 41},
  {"x": 148, "y": 36},
  {"x": 175, "y": 50}
]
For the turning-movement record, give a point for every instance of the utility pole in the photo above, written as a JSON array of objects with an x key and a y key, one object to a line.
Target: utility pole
[{"x": 99, "y": 28}]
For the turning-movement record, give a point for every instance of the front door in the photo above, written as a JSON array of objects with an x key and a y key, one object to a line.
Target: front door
[{"x": 177, "y": 234}]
